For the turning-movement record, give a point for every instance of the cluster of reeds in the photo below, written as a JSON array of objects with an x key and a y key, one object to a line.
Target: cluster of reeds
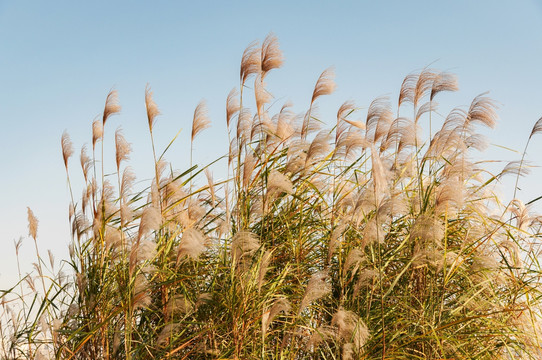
[{"x": 363, "y": 241}]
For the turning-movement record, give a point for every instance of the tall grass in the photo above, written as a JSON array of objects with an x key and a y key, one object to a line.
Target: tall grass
[{"x": 363, "y": 241}]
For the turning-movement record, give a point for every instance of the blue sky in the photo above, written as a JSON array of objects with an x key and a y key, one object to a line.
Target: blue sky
[{"x": 59, "y": 59}]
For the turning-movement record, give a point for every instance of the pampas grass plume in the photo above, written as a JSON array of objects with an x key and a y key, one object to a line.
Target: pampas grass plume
[
  {"x": 316, "y": 289},
  {"x": 152, "y": 108},
  {"x": 97, "y": 132},
  {"x": 244, "y": 243},
  {"x": 201, "y": 120},
  {"x": 32, "y": 224},
  {"x": 122, "y": 147},
  {"x": 67, "y": 148},
  {"x": 112, "y": 106},
  {"x": 250, "y": 62},
  {"x": 325, "y": 85},
  {"x": 192, "y": 244},
  {"x": 271, "y": 55},
  {"x": 232, "y": 105},
  {"x": 150, "y": 220}
]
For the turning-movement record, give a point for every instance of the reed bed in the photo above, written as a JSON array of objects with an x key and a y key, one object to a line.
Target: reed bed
[{"x": 362, "y": 241}]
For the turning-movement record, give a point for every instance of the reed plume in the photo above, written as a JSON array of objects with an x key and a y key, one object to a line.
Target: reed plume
[
  {"x": 201, "y": 120},
  {"x": 122, "y": 147},
  {"x": 152, "y": 108},
  {"x": 67, "y": 148},
  {"x": 97, "y": 132},
  {"x": 250, "y": 62},
  {"x": 232, "y": 105},
  {"x": 112, "y": 106},
  {"x": 385, "y": 242},
  {"x": 32, "y": 224},
  {"x": 271, "y": 56}
]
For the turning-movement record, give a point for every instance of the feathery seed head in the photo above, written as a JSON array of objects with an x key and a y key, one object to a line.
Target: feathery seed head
[
  {"x": 373, "y": 232},
  {"x": 179, "y": 304},
  {"x": 141, "y": 297},
  {"x": 271, "y": 56},
  {"x": 380, "y": 178},
  {"x": 407, "y": 89},
  {"x": 201, "y": 120},
  {"x": 483, "y": 110},
  {"x": 443, "y": 82},
  {"x": 319, "y": 147},
  {"x": 277, "y": 182},
  {"x": 67, "y": 148},
  {"x": 248, "y": 168},
  {"x": 150, "y": 220},
  {"x": 97, "y": 132},
  {"x": 320, "y": 334},
  {"x": 152, "y": 108},
  {"x": 379, "y": 118},
  {"x": 350, "y": 328},
  {"x": 428, "y": 229},
  {"x": 86, "y": 162},
  {"x": 32, "y": 224},
  {"x": 325, "y": 84},
  {"x": 128, "y": 178},
  {"x": 346, "y": 109},
  {"x": 423, "y": 85},
  {"x": 280, "y": 305},
  {"x": 264, "y": 266},
  {"x": 111, "y": 106},
  {"x": 353, "y": 260},
  {"x": 192, "y": 244},
  {"x": 517, "y": 168},
  {"x": 232, "y": 105},
  {"x": 537, "y": 128},
  {"x": 122, "y": 147},
  {"x": 250, "y": 62},
  {"x": 244, "y": 243},
  {"x": 262, "y": 95},
  {"x": 316, "y": 289}
]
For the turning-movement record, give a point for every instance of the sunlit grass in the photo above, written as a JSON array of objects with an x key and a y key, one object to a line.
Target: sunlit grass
[{"x": 363, "y": 241}]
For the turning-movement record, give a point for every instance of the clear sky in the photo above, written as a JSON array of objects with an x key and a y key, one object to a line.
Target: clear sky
[{"x": 59, "y": 59}]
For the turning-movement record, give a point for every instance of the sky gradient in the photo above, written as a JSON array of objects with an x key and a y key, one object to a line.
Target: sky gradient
[{"x": 58, "y": 61}]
